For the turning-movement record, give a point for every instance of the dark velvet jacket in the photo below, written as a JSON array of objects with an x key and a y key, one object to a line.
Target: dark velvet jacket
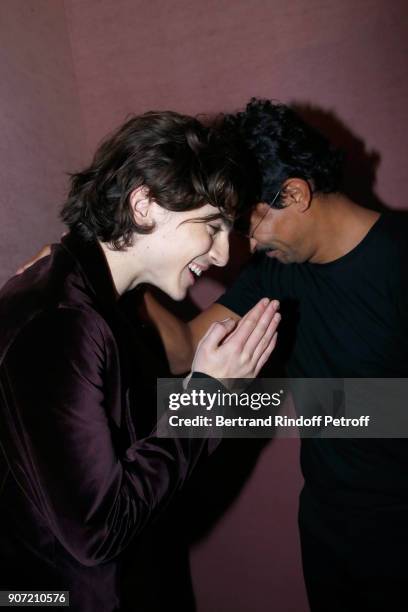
[{"x": 79, "y": 482}]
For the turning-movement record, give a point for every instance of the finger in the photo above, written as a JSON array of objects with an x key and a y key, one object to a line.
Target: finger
[
  {"x": 260, "y": 329},
  {"x": 25, "y": 266},
  {"x": 247, "y": 325},
  {"x": 216, "y": 332},
  {"x": 275, "y": 304},
  {"x": 266, "y": 338},
  {"x": 266, "y": 354},
  {"x": 46, "y": 250},
  {"x": 263, "y": 303},
  {"x": 209, "y": 330},
  {"x": 42, "y": 253}
]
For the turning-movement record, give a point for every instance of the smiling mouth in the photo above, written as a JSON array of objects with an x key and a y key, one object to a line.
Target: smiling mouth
[{"x": 196, "y": 269}]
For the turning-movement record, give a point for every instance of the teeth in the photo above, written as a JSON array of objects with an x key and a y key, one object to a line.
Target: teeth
[{"x": 197, "y": 271}]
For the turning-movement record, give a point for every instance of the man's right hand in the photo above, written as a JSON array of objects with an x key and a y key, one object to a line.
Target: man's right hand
[
  {"x": 46, "y": 250},
  {"x": 231, "y": 350}
]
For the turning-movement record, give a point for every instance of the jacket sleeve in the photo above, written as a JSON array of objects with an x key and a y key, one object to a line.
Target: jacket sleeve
[{"x": 57, "y": 437}]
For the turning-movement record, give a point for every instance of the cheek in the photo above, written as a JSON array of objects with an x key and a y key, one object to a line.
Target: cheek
[
  {"x": 198, "y": 243},
  {"x": 284, "y": 229},
  {"x": 186, "y": 247}
]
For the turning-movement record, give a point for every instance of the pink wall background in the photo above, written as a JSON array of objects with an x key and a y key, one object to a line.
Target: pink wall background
[
  {"x": 41, "y": 132},
  {"x": 73, "y": 70}
]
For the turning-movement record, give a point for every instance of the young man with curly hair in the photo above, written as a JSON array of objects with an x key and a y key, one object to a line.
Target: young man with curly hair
[{"x": 87, "y": 485}]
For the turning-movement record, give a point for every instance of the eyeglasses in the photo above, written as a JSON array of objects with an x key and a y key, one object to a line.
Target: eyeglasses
[{"x": 270, "y": 205}]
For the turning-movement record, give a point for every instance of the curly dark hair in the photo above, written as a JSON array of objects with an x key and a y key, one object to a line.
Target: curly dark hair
[
  {"x": 284, "y": 147},
  {"x": 182, "y": 163}
]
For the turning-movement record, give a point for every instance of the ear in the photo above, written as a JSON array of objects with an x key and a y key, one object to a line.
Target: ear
[
  {"x": 141, "y": 206},
  {"x": 297, "y": 192}
]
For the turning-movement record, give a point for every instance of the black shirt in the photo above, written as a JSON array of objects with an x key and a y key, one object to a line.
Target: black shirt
[{"x": 346, "y": 318}]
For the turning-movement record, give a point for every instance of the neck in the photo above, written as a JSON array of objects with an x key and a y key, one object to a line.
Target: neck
[
  {"x": 340, "y": 225},
  {"x": 122, "y": 267}
]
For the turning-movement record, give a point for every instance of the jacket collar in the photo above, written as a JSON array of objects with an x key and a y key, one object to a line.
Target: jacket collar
[{"x": 94, "y": 267}]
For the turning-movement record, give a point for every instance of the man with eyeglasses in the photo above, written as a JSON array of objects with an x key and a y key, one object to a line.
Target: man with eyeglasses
[{"x": 340, "y": 273}]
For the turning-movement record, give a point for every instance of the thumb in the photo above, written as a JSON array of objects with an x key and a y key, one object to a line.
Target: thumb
[{"x": 218, "y": 331}]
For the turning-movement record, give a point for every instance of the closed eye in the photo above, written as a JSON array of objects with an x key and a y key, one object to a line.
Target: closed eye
[{"x": 214, "y": 229}]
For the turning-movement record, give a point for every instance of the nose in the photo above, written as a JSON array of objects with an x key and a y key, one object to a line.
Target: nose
[{"x": 219, "y": 252}]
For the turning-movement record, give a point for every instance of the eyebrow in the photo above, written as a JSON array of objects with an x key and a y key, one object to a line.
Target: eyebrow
[{"x": 214, "y": 217}]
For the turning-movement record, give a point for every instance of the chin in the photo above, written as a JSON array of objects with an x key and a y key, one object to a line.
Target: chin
[
  {"x": 176, "y": 294},
  {"x": 176, "y": 288},
  {"x": 179, "y": 296},
  {"x": 285, "y": 258}
]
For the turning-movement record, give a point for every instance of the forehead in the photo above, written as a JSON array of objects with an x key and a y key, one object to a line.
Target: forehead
[
  {"x": 251, "y": 216},
  {"x": 207, "y": 210},
  {"x": 262, "y": 210}
]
